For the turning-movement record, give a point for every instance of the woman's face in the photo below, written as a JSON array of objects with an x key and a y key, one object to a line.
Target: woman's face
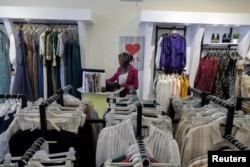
[{"x": 121, "y": 60}]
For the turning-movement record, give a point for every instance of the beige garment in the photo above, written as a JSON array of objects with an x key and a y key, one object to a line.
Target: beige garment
[
  {"x": 199, "y": 162},
  {"x": 186, "y": 126},
  {"x": 201, "y": 139},
  {"x": 49, "y": 46},
  {"x": 31, "y": 62},
  {"x": 245, "y": 86},
  {"x": 245, "y": 107}
]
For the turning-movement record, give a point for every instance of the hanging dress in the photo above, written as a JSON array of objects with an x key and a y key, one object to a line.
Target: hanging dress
[
  {"x": 5, "y": 72},
  {"x": 21, "y": 83}
]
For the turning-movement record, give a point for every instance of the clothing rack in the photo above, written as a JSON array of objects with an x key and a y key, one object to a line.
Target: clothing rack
[
  {"x": 36, "y": 146},
  {"x": 139, "y": 138},
  {"x": 45, "y": 23},
  {"x": 39, "y": 142},
  {"x": 60, "y": 93},
  {"x": 230, "y": 113},
  {"x": 229, "y": 123},
  {"x": 23, "y": 97},
  {"x": 90, "y": 121},
  {"x": 58, "y": 96},
  {"x": 202, "y": 94},
  {"x": 236, "y": 143}
]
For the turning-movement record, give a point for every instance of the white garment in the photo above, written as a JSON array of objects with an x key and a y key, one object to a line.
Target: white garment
[
  {"x": 164, "y": 90},
  {"x": 4, "y": 146},
  {"x": 12, "y": 57},
  {"x": 61, "y": 45},
  {"x": 116, "y": 140},
  {"x": 162, "y": 146},
  {"x": 158, "y": 53},
  {"x": 123, "y": 78},
  {"x": 42, "y": 53}
]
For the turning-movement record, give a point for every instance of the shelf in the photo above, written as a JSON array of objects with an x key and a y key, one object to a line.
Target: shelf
[{"x": 219, "y": 45}]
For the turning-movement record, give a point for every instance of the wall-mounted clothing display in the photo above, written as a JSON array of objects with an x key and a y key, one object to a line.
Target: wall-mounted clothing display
[
  {"x": 171, "y": 53},
  {"x": 169, "y": 85},
  {"x": 217, "y": 73},
  {"x": 51, "y": 60}
]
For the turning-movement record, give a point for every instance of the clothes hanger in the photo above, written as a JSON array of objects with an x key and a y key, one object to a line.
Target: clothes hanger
[
  {"x": 55, "y": 121},
  {"x": 165, "y": 164},
  {"x": 135, "y": 163},
  {"x": 174, "y": 31},
  {"x": 41, "y": 158}
]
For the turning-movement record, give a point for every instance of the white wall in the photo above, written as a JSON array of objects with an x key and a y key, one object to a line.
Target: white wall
[{"x": 115, "y": 18}]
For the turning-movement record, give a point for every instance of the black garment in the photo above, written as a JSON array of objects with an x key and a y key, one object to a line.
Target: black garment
[
  {"x": 86, "y": 134},
  {"x": 22, "y": 141},
  {"x": 4, "y": 123}
]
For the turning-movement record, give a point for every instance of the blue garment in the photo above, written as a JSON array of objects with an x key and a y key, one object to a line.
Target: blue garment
[
  {"x": 173, "y": 53},
  {"x": 5, "y": 70},
  {"x": 76, "y": 70},
  {"x": 69, "y": 64},
  {"x": 21, "y": 83},
  {"x": 40, "y": 71}
]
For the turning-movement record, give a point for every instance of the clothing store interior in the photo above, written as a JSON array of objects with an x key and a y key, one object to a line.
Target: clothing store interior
[{"x": 114, "y": 83}]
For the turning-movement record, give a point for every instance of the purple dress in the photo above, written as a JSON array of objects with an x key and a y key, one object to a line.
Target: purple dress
[
  {"x": 21, "y": 83},
  {"x": 173, "y": 53}
]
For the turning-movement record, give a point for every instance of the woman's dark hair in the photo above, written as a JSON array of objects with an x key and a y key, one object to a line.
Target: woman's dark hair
[{"x": 127, "y": 57}]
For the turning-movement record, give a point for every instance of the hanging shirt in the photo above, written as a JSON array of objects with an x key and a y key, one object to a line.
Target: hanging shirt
[
  {"x": 61, "y": 52},
  {"x": 206, "y": 73},
  {"x": 173, "y": 53},
  {"x": 158, "y": 53},
  {"x": 12, "y": 57}
]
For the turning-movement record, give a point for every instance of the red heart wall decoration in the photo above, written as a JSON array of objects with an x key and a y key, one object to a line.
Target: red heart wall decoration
[{"x": 132, "y": 48}]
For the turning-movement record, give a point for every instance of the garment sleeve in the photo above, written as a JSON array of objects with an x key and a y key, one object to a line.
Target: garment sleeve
[
  {"x": 163, "y": 54},
  {"x": 198, "y": 75},
  {"x": 214, "y": 73},
  {"x": 158, "y": 53},
  {"x": 184, "y": 54}
]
